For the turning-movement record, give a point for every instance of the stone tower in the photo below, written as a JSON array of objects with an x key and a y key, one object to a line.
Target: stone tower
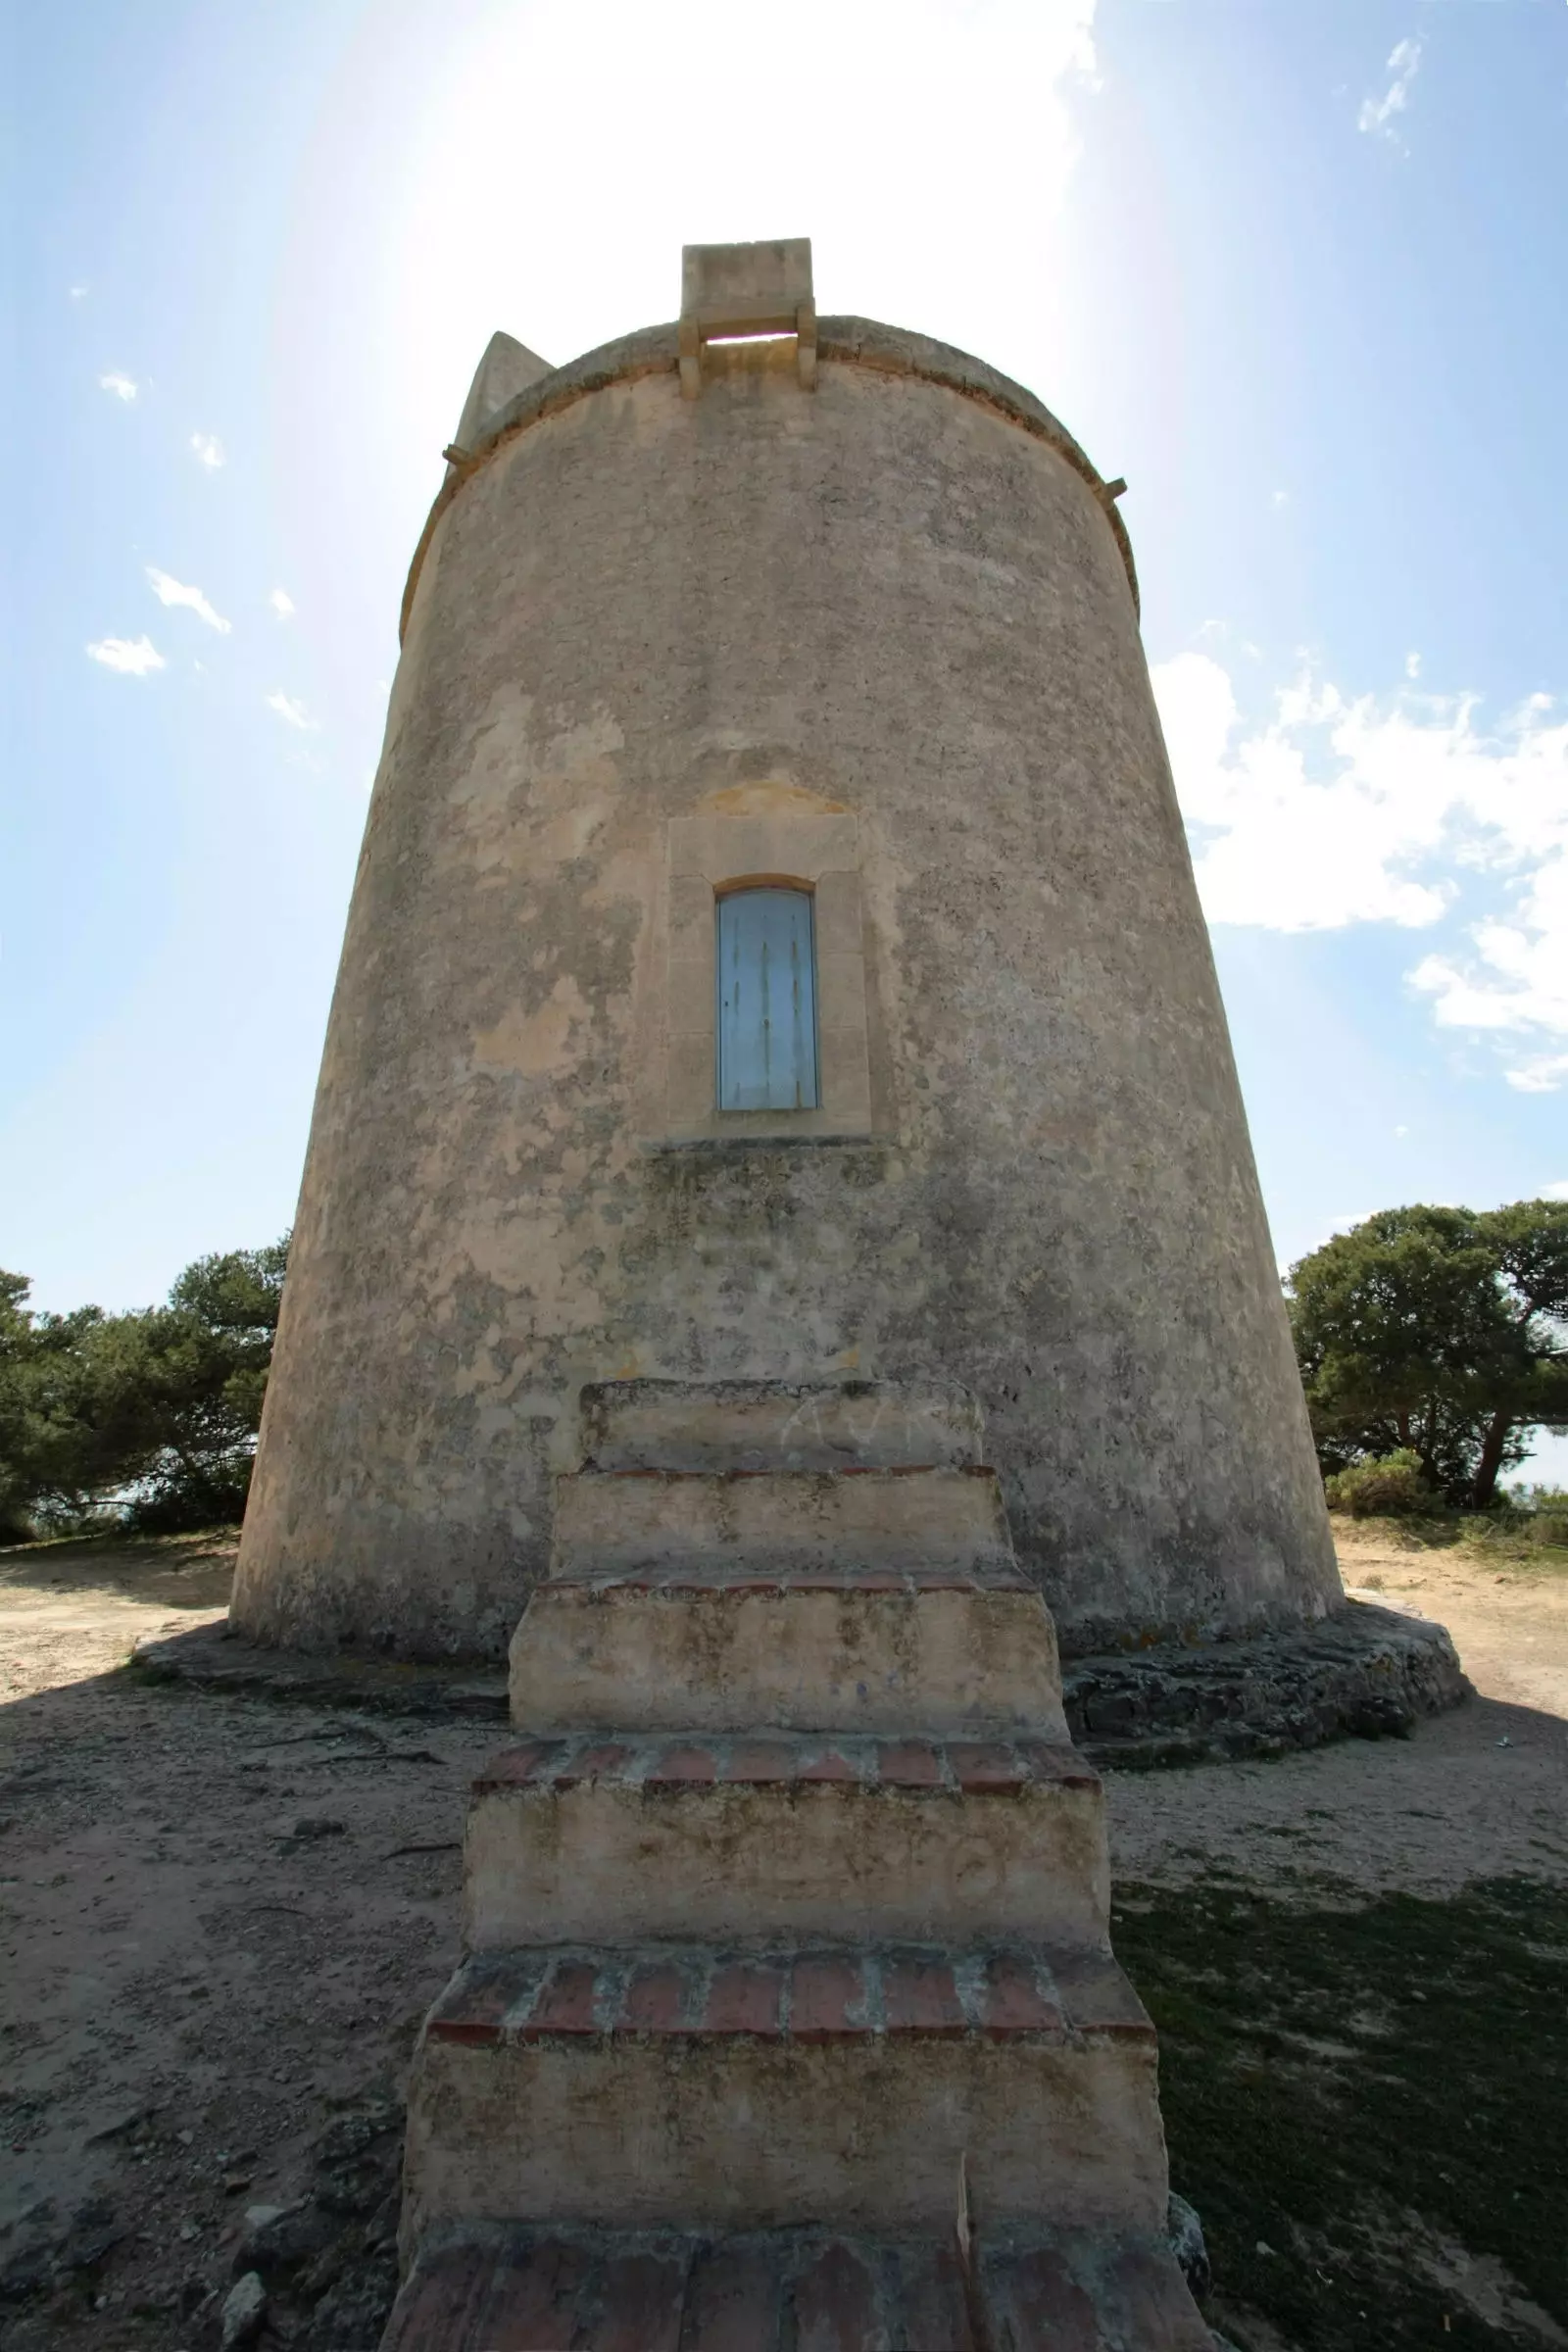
[{"x": 774, "y": 958}]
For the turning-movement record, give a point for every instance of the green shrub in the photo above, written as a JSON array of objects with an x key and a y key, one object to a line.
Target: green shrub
[
  {"x": 1548, "y": 1515},
  {"x": 1391, "y": 1484}
]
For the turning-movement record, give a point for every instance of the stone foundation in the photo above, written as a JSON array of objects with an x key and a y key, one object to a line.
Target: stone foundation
[
  {"x": 1361, "y": 1673},
  {"x": 1364, "y": 1673}
]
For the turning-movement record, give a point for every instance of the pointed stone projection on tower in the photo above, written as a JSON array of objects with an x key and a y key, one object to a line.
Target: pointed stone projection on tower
[{"x": 508, "y": 368}]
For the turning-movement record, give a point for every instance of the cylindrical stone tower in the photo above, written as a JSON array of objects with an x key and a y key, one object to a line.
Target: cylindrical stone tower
[{"x": 812, "y": 665}]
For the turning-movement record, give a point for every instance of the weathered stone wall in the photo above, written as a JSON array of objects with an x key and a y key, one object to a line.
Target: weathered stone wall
[{"x": 892, "y": 607}]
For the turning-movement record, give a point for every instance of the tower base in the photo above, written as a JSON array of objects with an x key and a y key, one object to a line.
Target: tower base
[{"x": 1364, "y": 1673}]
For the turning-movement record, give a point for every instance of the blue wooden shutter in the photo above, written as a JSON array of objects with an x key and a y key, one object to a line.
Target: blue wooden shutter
[{"x": 767, "y": 1001}]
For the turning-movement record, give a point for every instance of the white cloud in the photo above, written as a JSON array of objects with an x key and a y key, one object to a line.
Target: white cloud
[
  {"x": 132, "y": 656},
  {"x": 169, "y": 591},
  {"x": 1515, "y": 981},
  {"x": 1412, "y": 666},
  {"x": 1280, "y": 498},
  {"x": 115, "y": 380},
  {"x": 1341, "y": 811},
  {"x": 77, "y": 293},
  {"x": 1377, "y": 115},
  {"x": 208, "y": 450},
  {"x": 283, "y": 603},
  {"x": 1554, "y": 1191},
  {"x": 287, "y": 708},
  {"x": 1277, "y": 847}
]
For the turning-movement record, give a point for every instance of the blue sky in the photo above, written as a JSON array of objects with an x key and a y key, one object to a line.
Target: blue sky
[{"x": 1298, "y": 271}]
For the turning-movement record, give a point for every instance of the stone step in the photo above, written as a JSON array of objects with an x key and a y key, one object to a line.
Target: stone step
[
  {"x": 718, "y": 1648},
  {"x": 780, "y": 1519},
  {"x": 619, "y": 1839},
  {"x": 689, "y": 2086},
  {"x": 777, "y": 1425},
  {"x": 809, "y": 2291}
]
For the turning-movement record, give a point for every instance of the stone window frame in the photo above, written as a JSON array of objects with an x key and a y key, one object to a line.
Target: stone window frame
[{"x": 710, "y": 857}]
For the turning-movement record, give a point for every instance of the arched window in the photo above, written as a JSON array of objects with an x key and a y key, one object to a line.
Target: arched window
[{"x": 766, "y": 974}]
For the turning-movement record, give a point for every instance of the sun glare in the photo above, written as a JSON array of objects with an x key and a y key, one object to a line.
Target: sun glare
[{"x": 559, "y": 160}]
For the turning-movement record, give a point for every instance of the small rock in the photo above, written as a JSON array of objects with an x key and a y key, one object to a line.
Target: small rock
[
  {"x": 326, "y": 2270},
  {"x": 187, "y": 2139},
  {"x": 233, "y": 2182},
  {"x": 351, "y": 2315},
  {"x": 187, "y": 2231},
  {"x": 350, "y": 2135},
  {"x": 244, "y": 2310},
  {"x": 352, "y": 2188},
  {"x": 26, "y": 2275},
  {"x": 1184, "y": 2233},
  {"x": 284, "y": 2241},
  {"x": 319, "y": 1825},
  {"x": 121, "y": 2123},
  {"x": 93, "y": 2233},
  {"x": 1263, "y": 2246}
]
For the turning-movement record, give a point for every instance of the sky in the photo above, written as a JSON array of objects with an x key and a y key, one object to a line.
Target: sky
[{"x": 1297, "y": 271}]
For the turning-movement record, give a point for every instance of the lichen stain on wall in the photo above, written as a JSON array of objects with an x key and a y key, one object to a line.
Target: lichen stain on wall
[
  {"x": 535, "y": 1043},
  {"x": 532, "y": 796}
]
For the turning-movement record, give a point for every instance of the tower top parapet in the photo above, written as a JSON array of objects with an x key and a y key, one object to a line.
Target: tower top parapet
[
  {"x": 758, "y": 294},
  {"x": 732, "y": 292}
]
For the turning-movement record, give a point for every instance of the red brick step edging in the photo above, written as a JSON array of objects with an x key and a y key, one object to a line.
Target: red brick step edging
[
  {"x": 662, "y": 1763},
  {"x": 589, "y": 2291},
  {"x": 812, "y": 1994},
  {"x": 698, "y": 1575}
]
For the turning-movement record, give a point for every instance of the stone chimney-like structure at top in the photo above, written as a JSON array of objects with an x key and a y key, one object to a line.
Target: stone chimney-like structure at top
[{"x": 774, "y": 958}]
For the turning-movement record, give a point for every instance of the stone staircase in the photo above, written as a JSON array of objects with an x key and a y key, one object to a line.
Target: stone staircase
[{"x": 789, "y": 2021}]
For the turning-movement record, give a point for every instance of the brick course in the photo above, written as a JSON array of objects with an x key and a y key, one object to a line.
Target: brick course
[
  {"x": 661, "y": 2292},
  {"x": 975, "y": 1768},
  {"x": 819, "y": 1994}
]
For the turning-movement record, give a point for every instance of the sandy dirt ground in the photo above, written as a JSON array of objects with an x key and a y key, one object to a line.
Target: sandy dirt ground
[
  {"x": 1478, "y": 1794},
  {"x": 223, "y": 1919}
]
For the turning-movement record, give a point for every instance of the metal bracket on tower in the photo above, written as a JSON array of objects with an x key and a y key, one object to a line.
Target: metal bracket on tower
[{"x": 736, "y": 293}]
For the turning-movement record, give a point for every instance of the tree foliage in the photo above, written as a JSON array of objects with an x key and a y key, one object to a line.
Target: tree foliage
[
  {"x": 1383, "y": 1486},
  {"x": 152, "y": 1414},
  {"x": 1440, "y": 1332}
]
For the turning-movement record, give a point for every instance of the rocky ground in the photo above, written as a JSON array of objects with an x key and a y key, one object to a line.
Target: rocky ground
[{"x": 223, "y": 1919}]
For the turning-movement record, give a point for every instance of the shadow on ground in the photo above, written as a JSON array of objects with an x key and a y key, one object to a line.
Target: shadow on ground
[{"x": 1367, "y": 2102}]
